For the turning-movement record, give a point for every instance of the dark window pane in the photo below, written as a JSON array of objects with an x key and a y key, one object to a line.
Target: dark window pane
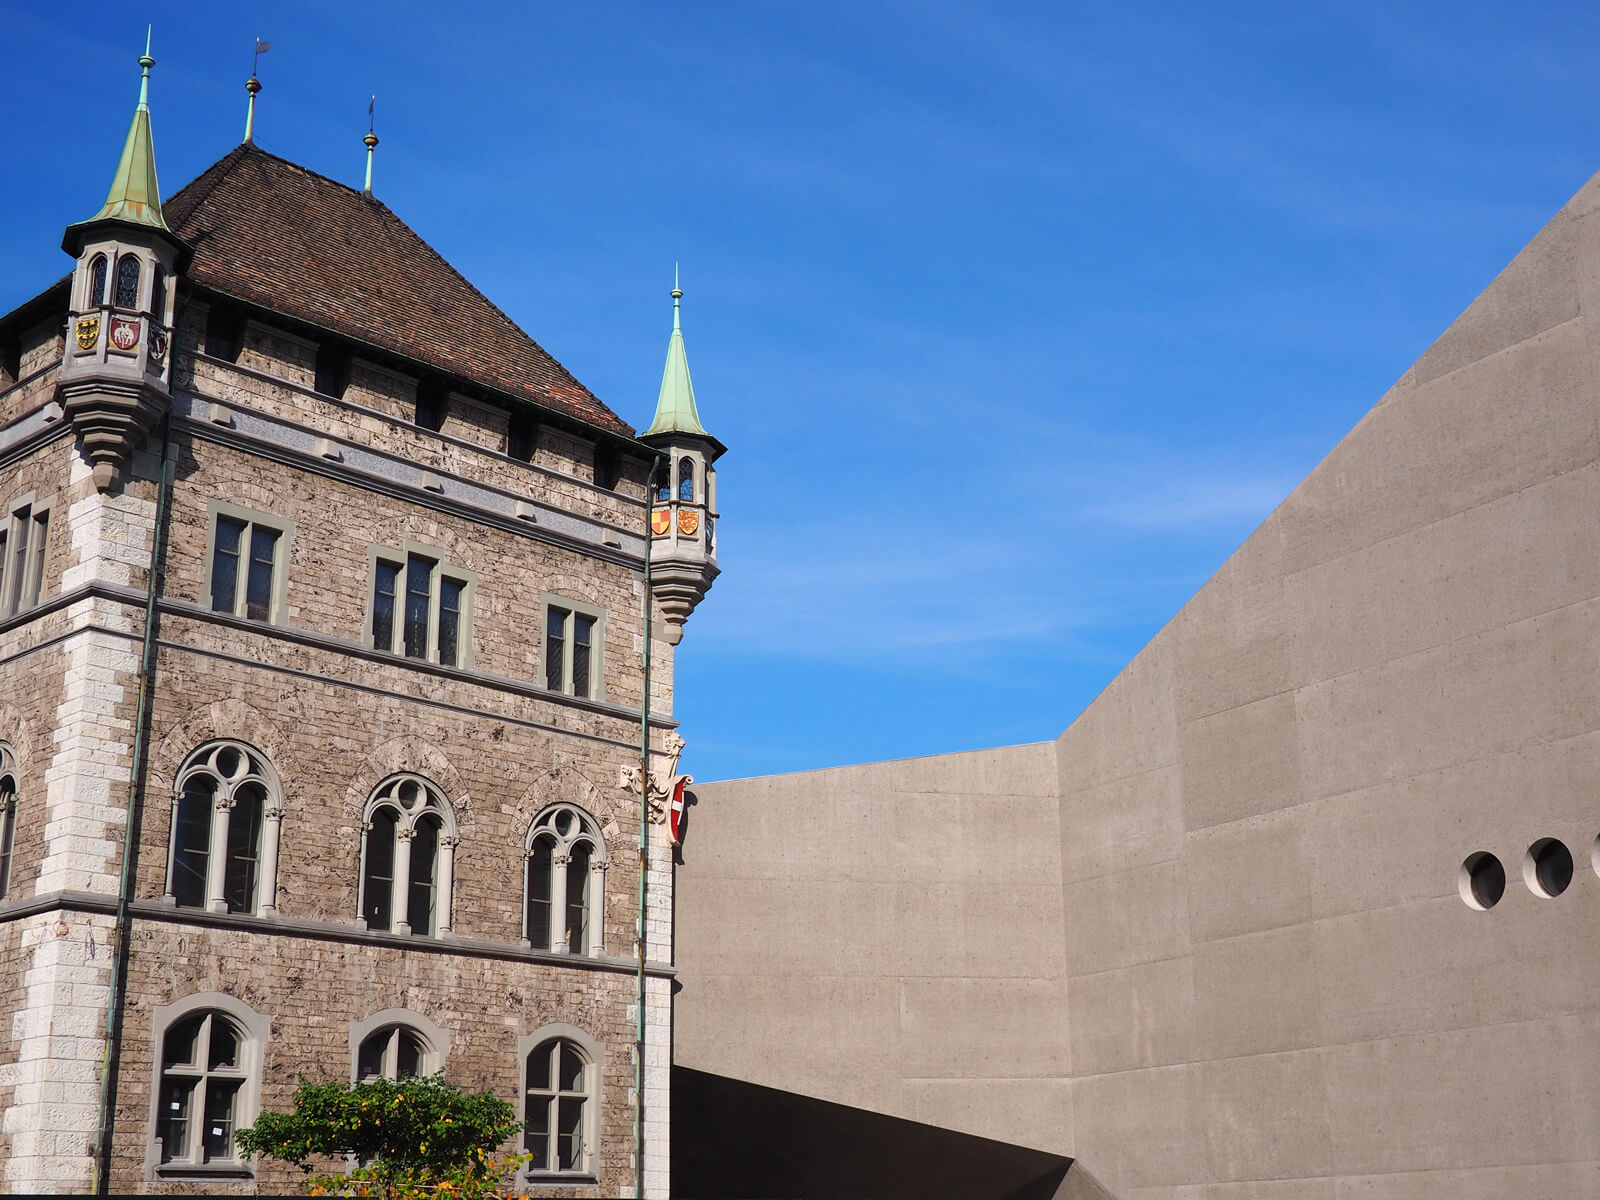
[
  {"x": 536, "y": 1140},
  {"x": 258, "y": 587},
  {"x": 8, "y": 829},
  {"x": 127, "y": 281},
  {"x": 582, "y": 653},
  {"x": 218, "y": 1139},
  {"x": 571, "y": 1068},
  {"x": 35, "y": 576},
  {"x": 419, "y": 589},
  {"x": 407, "y": 1054},
  {"x": 172, "y": 1126},
  {"x": 569, "y": 1133},
  {"x": 539, "y": 1074},
  {"x": 158, "y": 296},
  {"x": 225, "y": 564},
  {"x": 450, "y": 592},
  {"x": 377, "y": 901},
  {"x": 1553, "y": 868},
  {"x": 424, "y": 867},
  {"x": 241, "y": 870},
  {"x": 224, "y": 1045},
  {"x": 19, "y": 557},
  {"x": 577, "y": 928},
  {"x": 383, "y": 588},
  {"x": 193, "y": 837},
  {"x": 686, "y": 479},
  {"x": 97, "y": 282},
  {"x": 369, "y": 1061},
  {"x": 555, "y": 643},
  {"x": 178, "y": 1046},
  {"x": 539, "y": 898}
]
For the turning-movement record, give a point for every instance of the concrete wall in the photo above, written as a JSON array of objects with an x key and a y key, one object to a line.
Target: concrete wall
[{"x": 1273, "y": 988}]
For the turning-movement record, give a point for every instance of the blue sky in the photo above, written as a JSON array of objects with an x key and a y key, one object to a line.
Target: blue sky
[{"x": 1016, "y": 318}]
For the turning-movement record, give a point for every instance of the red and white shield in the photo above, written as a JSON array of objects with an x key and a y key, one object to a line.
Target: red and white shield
[
  {"x": 124, "y": 333},
  {"x": 675, "y": 812}
]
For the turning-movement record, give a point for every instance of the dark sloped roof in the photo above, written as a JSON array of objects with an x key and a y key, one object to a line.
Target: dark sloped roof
[{"x": 274, "y": 234}]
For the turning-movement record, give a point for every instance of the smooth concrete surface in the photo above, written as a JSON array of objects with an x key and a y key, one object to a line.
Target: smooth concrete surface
[{"x": 1210, "y": 944}]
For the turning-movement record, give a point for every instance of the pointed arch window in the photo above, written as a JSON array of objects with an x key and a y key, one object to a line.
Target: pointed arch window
[
  {"x": 8, "y": 816},
  {"x": 686, "y": 479},
  {"x": 408, "y": 843},
  {"x": 128, "y": 281},
  {"x": 564, "y": 887},
  {"x": 97, "y": 283},
  {"x": 227, "y": 817}
]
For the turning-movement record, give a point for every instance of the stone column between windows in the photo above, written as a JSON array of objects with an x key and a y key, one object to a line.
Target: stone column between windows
[
  {"x": 400, "y": 885},
  {"x": 597, "y": 906},
  {"x": 267, "y": 883},
  {"x": 558, "y": 902},
  {"x": 447, "y": 878},
  {"x": 217, "y": 859}
]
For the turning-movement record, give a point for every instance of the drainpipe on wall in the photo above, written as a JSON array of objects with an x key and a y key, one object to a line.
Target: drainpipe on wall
[
  {"x": 644, "y": 841},
  {"x": 130, "y": 833}
]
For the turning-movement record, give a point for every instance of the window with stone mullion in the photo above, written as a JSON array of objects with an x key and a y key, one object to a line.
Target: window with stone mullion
[
  {"x": 226, "y": 828},
  {"x": 557, "y": 1094},
  {"x": 202, "y": 1073},
  {"x": 8, "y": 818}
]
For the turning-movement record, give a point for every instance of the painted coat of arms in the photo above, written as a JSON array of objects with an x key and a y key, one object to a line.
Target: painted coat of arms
[
  {"x": 87, "y": 331},
  {"x": 688, "y": 522},
  {"x": 124, "y": 332},
  {"x": 661, "y": 522}
]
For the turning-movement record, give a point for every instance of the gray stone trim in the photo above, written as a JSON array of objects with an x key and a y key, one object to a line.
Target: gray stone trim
[
  {"x": 435, "y": 1037},
  {"x": 332, "y": 931},
  {"x": 595, "y": 1052},
  {"x": 256, "y": 1028},
  {"x": 389, "y": 474}
]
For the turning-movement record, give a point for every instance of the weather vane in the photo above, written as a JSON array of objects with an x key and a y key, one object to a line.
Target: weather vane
[{"x": 253, "y": 85}]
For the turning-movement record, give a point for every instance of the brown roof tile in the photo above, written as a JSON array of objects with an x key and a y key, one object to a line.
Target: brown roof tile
[{"x": 274, "y": 234}]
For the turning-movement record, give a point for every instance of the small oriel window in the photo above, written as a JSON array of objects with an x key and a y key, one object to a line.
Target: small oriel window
[
  {"x": 97, "y": 283},
  {"x": 246, "y": 566},
  {"x": 128, "y": 281},
  {"x": 559, "y": 1084},
  {"x": 686, "y": 479}
]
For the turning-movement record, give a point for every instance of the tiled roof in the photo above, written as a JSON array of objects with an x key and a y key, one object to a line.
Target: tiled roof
[{"x": 276, "y": 235}]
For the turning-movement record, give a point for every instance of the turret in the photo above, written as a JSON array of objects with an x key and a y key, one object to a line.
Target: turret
[
  {"x": 116, "y": 376},
  {"x": 683, "y": 513}
]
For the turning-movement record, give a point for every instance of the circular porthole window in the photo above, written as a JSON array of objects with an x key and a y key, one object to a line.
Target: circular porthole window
[
  {"x": 1482, "y": 880},
  {"x": 1547, "y": 867}
]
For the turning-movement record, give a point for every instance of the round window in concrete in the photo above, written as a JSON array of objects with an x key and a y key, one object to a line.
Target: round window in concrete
[
  {"x": 1547, "y": 867},
  {"x": 1482, "y": 880}
]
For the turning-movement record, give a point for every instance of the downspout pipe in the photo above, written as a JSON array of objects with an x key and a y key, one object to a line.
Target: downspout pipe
[
  {"x": 644, "y": 839},
  {"x": 130, "y": 833}
]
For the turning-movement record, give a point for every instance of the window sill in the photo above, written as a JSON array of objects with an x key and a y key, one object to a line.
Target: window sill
[
  {"x": 212, "y": 1170},
  {"x": 560, "y": 1178}
]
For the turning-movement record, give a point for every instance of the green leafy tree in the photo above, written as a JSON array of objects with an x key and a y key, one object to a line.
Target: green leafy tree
[{"x": 417, "y": 1137}]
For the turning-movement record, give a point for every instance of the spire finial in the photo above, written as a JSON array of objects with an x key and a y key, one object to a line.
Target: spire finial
[
  {"x": 677, "y": 295},
  {"x": 253, "y": 86},
  {"x": 675, "y": 407},
  {"x": 145, "y": 63},
  {"x": 371, "y": 140}
]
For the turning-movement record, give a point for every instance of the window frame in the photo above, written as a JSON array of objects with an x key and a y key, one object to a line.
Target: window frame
[
  {"x": 278, "y": 609},
  {"x": 587, "y": 831},
  {"x": 252, "y": 1030},
  {"x": 593, "y": 1053},
  {"x": 597, "y": 645},
  {"x": 435, "y": 1039},
  {"x": 24, "y": 533},
  {"x": 202, "y": 760},
  {"x": 400, "y": 882},
  {"x": 443, "y": 570},
  {"x": 8, "y": 818}
]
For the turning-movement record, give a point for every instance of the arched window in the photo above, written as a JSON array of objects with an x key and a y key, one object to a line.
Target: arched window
[
  {"x": 97, "y": 283},
  {"x": 565, "y": 884},
  {"x": 664, "y": 480},
  {"x": 128, "y": 281},
  {"x": 209, "y": 1056},
  {"x": 407, "y": 858},
  {"x": 394, "y": 1052},
  {"x": 686, "y": 479},
  {"x": 559, "y": 1081},
  {"x": 8, "y": 816},
  {"x": 227, "y": 816}
]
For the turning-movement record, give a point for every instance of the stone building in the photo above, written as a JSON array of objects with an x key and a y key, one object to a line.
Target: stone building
[
  {"x": 1303, "y": 906},
  {"x": 324, "y": 584}
]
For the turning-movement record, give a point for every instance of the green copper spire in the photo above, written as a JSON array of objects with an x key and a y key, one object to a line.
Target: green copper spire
[
  {"x": 135, "y": 195},
  {"x": 675, "y": 410}
]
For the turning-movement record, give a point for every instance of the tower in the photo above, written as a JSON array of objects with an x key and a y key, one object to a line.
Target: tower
[
  {"x": 684, "y": 501},
  {"x": 116, "y": 376}
]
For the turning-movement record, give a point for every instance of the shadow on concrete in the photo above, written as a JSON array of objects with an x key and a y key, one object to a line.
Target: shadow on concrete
[{"x": 739, "y": 1141}]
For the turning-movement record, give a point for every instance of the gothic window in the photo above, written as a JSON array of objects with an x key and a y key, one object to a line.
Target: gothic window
[
  {"x": 564, "y": 906},
  {"x": 573, "y": 635},
  {"x": 8, "y": 816},
  {"x": 210, "y": 1049},
  {"x": 559, "y": 1083},
  {"x": 686, "y": 479},
  {"x": 407, "y": 858},
  {"x": 249, "y": 562},
  {"x": 394, "y": 1052},
  {"x": 128, "y": 281},
  {"x": 97, "y": 283},
  {"x": 226, "y": 821},
  {"x": 663, "y": 473},
  {"x": 421, "y": 608}
]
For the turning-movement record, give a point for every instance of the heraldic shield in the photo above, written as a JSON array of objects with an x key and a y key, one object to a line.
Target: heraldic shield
[
  {"x": 661, "y": 522},
  {"x": 688, "y": 522}
]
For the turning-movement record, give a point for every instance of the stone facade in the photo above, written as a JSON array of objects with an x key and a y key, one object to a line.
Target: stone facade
[{"x": 344, "y": 475}]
